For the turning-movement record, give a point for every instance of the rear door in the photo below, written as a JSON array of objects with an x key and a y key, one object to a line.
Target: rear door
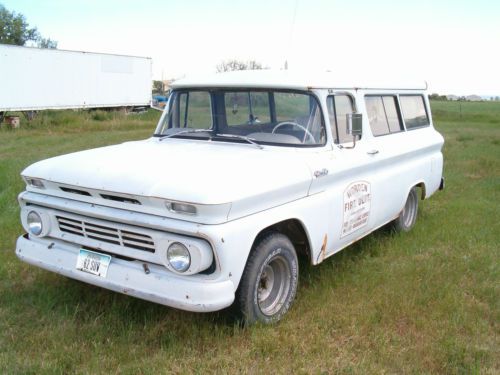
[{"x": 388, "y": 145}]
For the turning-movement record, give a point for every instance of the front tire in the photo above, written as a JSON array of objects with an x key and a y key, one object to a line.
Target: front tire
[
  {"x": 408, "y": 216},
  {"x": 269, "y": 282}
]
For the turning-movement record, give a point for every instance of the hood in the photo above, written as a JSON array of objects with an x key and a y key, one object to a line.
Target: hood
[{"x": 200, "y": 172}]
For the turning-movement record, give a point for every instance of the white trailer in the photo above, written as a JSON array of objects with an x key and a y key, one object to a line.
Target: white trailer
[{"x": 34, "y": 79}]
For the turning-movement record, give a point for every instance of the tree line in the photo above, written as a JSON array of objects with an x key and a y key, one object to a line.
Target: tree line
[{"x": 15, "y": 30}]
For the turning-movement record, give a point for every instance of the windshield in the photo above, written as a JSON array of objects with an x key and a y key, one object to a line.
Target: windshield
[{"x": 262, "y": 116}]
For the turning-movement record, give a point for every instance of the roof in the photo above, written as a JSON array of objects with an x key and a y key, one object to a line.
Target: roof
[
  {"x": 281, "y": 79},
  {"x": 57, "y": 50}
]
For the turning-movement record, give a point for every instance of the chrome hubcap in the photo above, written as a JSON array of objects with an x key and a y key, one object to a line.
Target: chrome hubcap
[
  {"x": 410, "y": 210},
  {"x": 274, "y": 286}
]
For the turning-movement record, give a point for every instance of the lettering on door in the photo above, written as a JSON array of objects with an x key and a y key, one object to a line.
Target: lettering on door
[{"x": 356, "y": 208}]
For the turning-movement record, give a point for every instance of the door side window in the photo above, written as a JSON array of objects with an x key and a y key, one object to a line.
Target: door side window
[
  {"x": 383, "y": 114},
  {"x": 338, "y": 107}
]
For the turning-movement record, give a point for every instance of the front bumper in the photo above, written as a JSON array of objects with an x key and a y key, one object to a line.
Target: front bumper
[{"x": 128, "y": 277}]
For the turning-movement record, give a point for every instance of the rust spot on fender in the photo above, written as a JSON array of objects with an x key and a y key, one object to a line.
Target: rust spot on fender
[{"x": 323, "y": 247}]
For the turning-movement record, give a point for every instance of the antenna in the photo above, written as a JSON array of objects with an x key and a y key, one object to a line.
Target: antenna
[{"x": 291, "y": 33}]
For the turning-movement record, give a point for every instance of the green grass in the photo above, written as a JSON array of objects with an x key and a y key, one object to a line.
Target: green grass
[{"x": 425, "y": 302}]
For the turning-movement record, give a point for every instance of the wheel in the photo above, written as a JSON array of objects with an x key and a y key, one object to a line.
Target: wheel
[
  {"x": 408, "y": 216},
  {"x": 307, "y": 133},
  {"x": 269, "y": 282},
  {"x": 30, "y": 115}
]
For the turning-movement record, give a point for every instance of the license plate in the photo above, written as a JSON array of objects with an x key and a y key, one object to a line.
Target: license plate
[{"x": 92, "y": 262}]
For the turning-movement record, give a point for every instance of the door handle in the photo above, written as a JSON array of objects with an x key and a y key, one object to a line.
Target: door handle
[{"x": 372, "y": 152}]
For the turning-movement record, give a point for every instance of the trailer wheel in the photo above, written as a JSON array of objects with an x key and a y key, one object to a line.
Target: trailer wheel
[
  {"x": 269, "y": 282},
  {"x": 30, "y": 115},
  {"x": 408, "y": 216}
]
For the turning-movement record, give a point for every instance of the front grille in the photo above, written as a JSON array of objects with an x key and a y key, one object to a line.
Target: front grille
[{"x": 107, "y": 234}]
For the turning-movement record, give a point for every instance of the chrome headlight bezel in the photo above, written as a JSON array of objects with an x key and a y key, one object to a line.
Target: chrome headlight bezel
[
  {"x": 200, "y": 252},
  {"x": 44, "y": 218},
  {"x": 35, "y": 223},
  {"x": 179, "y": 257}
]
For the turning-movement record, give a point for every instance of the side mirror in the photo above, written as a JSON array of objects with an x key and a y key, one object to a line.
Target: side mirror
[{"x": 354, "y": 124}]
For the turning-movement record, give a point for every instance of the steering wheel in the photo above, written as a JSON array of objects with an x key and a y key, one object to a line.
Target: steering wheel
[{"x": 307, "y": 133}]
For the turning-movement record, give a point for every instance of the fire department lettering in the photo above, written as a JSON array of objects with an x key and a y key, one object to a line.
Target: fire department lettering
[{"x": 357, "y": 199}]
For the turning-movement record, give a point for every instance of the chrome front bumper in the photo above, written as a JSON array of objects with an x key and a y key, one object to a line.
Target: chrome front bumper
[{"x": 189, "y": 293}]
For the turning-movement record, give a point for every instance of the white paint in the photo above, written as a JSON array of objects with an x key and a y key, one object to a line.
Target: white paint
[
  {"x": 238, "y": 190},
  {"x": 35, "y": 79},
  {"x": 291, "y": 79}
]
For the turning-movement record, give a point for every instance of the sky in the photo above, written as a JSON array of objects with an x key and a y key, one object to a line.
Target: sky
[{"x": 454, "y": 45}]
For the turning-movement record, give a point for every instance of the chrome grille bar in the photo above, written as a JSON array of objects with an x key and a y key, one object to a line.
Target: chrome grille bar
[{"x": 115, "y": 236}]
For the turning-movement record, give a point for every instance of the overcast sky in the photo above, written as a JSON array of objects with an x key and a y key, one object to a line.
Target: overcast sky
[{"x": 454, "y": 45}]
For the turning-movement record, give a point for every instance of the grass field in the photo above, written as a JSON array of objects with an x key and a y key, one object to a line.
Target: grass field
[{"x": 425, "y": 302}]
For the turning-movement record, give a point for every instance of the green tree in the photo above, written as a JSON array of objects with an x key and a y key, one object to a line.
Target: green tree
[
  {"x": 158, "y": 87},
  {"x": 435, "y": 96},
  {"x": 233, "y": 64},
  {"x": 46, "y": 43},
  {"x": 14, "y": 29}
]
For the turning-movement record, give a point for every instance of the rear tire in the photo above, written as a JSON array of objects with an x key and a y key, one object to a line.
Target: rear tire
[
  {"x": 269, "y": 282},
  {"x": 408, "y": 216}
]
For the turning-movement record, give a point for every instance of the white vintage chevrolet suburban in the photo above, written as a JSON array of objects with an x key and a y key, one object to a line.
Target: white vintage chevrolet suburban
[{"x": 244, "y": 172}]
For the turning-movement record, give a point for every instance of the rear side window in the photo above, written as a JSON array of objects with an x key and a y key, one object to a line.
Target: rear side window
[
  {"x": 414, "y": 113},
  {"x": 338, "y": 107},
  {"x": 383, "y": 114}
]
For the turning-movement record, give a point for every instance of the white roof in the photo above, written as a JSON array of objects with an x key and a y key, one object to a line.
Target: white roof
[
  {"x": 57, "y": 50},
  {"x": 286, "y": 79}
]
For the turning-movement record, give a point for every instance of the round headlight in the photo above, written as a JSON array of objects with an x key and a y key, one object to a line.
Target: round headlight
[
  {"x": 34, "y": 223},
  {"x": 178, "y": 256}
]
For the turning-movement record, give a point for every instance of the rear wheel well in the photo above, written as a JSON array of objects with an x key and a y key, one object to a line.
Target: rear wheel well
[{"x": 294, "y": 230}]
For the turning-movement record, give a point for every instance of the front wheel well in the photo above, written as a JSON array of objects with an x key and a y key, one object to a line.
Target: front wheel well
[
  {"x": 421, "y": 185},
  {"x": 294, "y": 230}
]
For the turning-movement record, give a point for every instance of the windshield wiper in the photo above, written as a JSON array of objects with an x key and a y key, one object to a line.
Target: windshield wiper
[
  {"x": 242, "y": 137},
  {"x": 187, "y": 131},
  {"x": 222, "y": 135}
]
